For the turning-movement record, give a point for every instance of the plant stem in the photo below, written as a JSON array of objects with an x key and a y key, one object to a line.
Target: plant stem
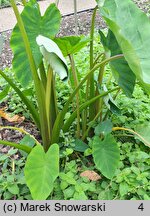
[
  {"x": 90, "y": 92},
  {"x": 91, "y": 78},
  {"x": 83, "y": 106},
  {"x": 109, "y": 80},
  {"x": 59, "y": 120},
  {"x": 84, "y": 120},
  {"x": 38, "y": 85},
  {"x": 133, "y": 132},
  {"x": 77, "y": 95},
  {"x": 21, "y": 130},
  {"x": 123, "y": 135},
  {"x": 86, "y": 111},
  {"x": 97, "y": 58},
  {"x": 13, "y": 166},
  {"x": 43, "y": 74},
  {"x": 48, "y": 98},
  {"x": 54, "y": 108},
  {"x": 90, "y": 125},
  {"x": 92, "y": 37},
  {"x": 99, "y": 103},
  {"x": 25, "y": 148}
]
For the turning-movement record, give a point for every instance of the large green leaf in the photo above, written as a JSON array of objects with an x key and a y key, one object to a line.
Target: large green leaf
[
  {"x": 120, "y": 68},
  {"x": 103, "y": 128},
  {"x": 131, "y": 28},
  {"x": 35, "y": 24},
  {"x": 106, "y": 155},
  {"x": 80, "y": 146},
  {"x": 71, "y": 44},
  {"x": 41, "y": 170},
  {"x": 27, "y": 141}
]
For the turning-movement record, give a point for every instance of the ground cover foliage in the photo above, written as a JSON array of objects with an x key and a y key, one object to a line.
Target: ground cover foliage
[{"x": 92, "y": 117}]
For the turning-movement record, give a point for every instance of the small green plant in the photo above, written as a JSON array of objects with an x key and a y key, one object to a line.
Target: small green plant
[
  {"x": 72, "y": 185},
  {"x": 40, "y": 59},
  {"x": 12, "y": 180},
  {"x": 130, "y": 182}
]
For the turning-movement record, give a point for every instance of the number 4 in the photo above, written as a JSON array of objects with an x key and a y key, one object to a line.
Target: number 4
[{"x": 141, "y": 207}]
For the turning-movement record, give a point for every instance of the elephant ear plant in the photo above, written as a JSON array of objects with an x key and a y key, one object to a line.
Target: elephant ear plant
[{"x": 39, "y": 56}]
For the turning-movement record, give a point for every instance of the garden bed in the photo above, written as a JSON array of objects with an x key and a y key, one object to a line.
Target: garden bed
[{"x": 134, "y": 158}]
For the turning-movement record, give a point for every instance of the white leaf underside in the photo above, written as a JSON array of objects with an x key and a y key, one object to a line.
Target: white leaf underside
[{"x": 53, "y": 56}]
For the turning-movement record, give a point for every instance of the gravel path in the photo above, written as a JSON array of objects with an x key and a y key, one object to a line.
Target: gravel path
[{"x": 67, "y": 28}]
